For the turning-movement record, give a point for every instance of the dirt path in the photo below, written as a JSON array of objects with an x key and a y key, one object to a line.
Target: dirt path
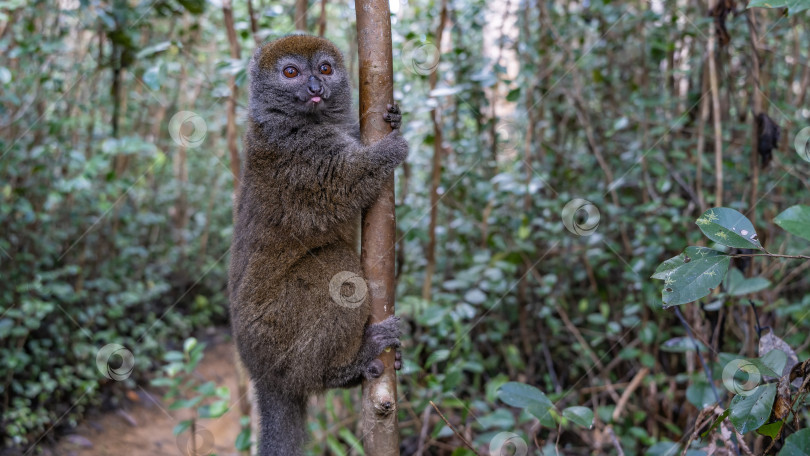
[{"x": 145, "y": 428}]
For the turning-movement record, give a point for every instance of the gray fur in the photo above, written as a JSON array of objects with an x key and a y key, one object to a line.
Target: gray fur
[{"x": 305, "y": 181}]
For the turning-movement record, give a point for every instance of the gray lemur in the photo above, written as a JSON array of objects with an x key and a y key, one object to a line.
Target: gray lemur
[{"x": 297, "y": 292}]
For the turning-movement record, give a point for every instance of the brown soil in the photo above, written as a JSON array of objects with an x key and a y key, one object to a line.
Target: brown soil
[{"x": 145, "y": 427}]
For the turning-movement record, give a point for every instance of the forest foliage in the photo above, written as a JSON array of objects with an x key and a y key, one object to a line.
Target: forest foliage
[{"x": 560, "y": 152}]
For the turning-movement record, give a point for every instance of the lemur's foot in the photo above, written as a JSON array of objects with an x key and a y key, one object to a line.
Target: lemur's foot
[
  {"x": 375, "y": 368},
  {"x": 393, "y": 116},
  {"x": 383, "y": 334}
]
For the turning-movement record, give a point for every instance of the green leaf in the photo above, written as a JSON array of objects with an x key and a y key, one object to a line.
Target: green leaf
[
  {"x": 186, "y": 403},
  {"x": 173, "y": 356},
  {"x": 582, "y": 416},
  {"x": 771, "y": 430},
  {"x": 793, "y": 6},
  {"x": 243, "y": 440},
  {"x": 546, "y": 413},
  {"x": 214, "y": 410},
  {"x": 688, "y": 254},
  {"x": 664, "y": 268},
  {"x": 728, "y": 227},
  {"x": 797, "y": 6},
  {"x": 682, "y": 345},
  {"x": 693, "y": 252},
  {"x": 154, "y": 49},
  {"x": 773, "y": 361},
  {"x": 770, "y": 364},
  {"x": 700, "y": 394},
  {"x": 501, "y": 418},
  {"x": 737, "y": 285},
  {"x": 767, "y": 4},
  {"x": 207, "y": 388},
  {"x": 189, "y": 344},
  {"x": 694, "y": 279},
  {"x": 750, "y": 411},
  {"x": 181, "y": 426},
  {"x": 162, "y": 382},
  {"x": 795, "y": 220},
  {"x": 475, "y": 296},
  {"x": 521, "y": 395},
  {"x": 513, "y": 95},
  {"x": 797, "y": 444},
  {"x": 437, "y": 357}
]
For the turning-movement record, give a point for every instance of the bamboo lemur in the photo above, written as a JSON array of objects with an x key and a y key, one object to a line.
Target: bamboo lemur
[{"x": 305, "y": 182}]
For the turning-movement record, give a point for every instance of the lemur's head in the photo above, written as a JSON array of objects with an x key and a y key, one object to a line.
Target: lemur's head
[{"x": 298, "y": 75}]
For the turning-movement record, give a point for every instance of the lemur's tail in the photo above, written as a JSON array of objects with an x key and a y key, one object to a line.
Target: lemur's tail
[{"x": 283, "y": 423}]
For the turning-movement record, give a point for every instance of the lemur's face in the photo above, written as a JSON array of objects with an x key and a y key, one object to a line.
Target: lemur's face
[{"x": 299, "y": 74}]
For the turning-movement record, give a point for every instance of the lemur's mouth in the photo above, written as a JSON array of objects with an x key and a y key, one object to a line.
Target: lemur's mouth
[{"x": 315, "y": 99}]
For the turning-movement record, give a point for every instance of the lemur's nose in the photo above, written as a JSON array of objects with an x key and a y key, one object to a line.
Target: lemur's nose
[{"x": 314, "y": 86}]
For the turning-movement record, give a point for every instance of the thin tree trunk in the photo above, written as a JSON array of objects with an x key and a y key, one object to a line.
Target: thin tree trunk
[
  {"x": 301, "y": 15},
  {"x": 227, "y": 12},
  {"x": 757, "y": 110},
  {"x": 322, "y": 19},
  {"x": 701, "y": 140},
  {"x": 230, "y": 132},
  {"x": 716, "y": 117},
  {"x": 381, "y": 429},
  {"x": 436, "y": 172},
  {"x": 254, "y": 27},
  {"x": 180, "y": 168}
]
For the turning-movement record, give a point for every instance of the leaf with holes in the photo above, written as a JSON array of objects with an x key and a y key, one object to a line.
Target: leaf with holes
[
  {"x": 728, "y": 227},
  {"x": 749, "y": 412},
  {"x": 664, "y": 268},
  {"x": 688, "y": 255},
  {"x": 795, "y": 220},
  {"x": 694, "y": 279}
]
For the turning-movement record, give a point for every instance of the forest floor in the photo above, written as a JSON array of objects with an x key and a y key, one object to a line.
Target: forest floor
[{"x": 144, "y": 427}]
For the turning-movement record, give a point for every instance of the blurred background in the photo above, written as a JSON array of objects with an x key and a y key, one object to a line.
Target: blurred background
[{"x": 560, "y": 150}]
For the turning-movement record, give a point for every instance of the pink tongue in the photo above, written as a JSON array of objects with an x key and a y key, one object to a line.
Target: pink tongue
[{"x": 316, "y": 99}]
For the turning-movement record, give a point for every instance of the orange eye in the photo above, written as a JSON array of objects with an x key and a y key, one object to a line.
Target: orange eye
[
  {"x": 290, "y": 72},
  {"x": 326, "y": 68}
]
